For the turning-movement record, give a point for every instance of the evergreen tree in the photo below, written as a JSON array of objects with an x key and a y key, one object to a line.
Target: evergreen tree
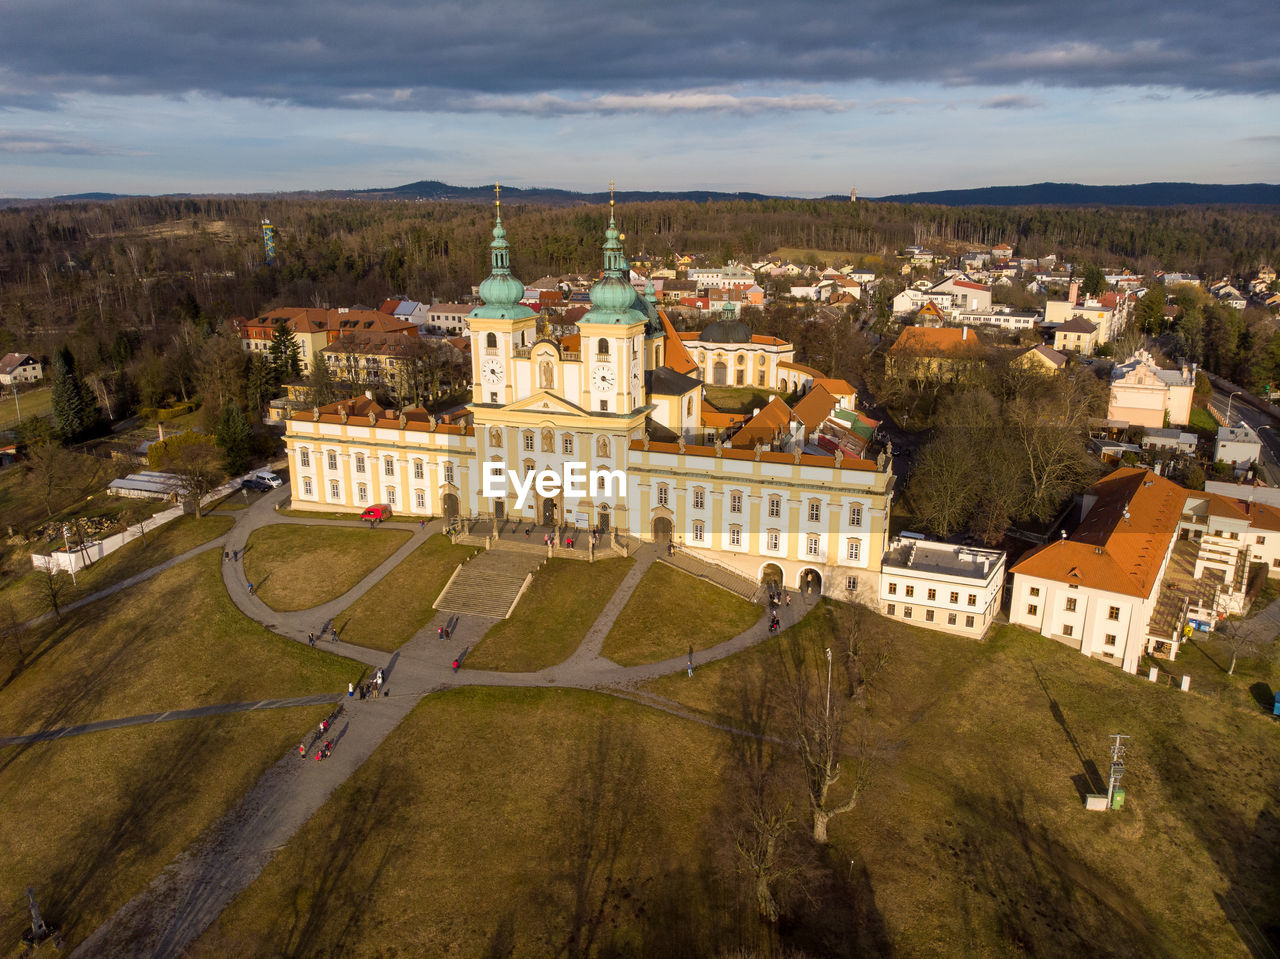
[
  {"x": 234, "y": 435},
  {"x": 75, "y": 409},
  {"x": 262, "y": 384},
  {"x": 1094, "y": 281},
  {"x": 286, "y": 355},
  {"x": 323, "y": 390}
]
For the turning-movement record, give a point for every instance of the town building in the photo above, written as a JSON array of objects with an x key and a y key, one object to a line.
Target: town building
[
  {"x": 1040, "y": 359},
  {"x": 1238, "y": 445},
  {"x": 1077, "y": 335},
  {"x": 939, "y": 352},
  {"x": 956, "y": 589},
  {"x": 449, "y": 318},
  {"x": 727, "y": 353},
  {"x": 605, "y": 398},
  {"x": 17, "y": 369},
  {"x": 313, "y": 328},
  {"x": 1143, "y": 394}
]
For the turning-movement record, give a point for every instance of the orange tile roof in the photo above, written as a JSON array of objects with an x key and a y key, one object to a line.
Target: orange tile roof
[
  {"x": 715, "y": 418},
  {"x": 765, "y": 425},
  {"x": 816, "y": 406},
  {"x": 928, "y": 340},
  {"x": 836, "y": 387},
  {"x": 676, "y": 356},
  {"x": 1123, "y": 539},
  {"x": 800, "y": 367},
  {"x": 767, "y": 340},
  {"x": 768, "y": 456},
  {"x": 571, "y": 343},
  {"x": 358, "y": 409}
]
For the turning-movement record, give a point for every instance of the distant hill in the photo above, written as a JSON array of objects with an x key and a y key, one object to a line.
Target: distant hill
[
  {"x": 1079, "y": 194},
  {"x": 548, "y": 196}
]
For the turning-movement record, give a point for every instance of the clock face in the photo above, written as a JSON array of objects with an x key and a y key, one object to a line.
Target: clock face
[
  {"x": 491, "y": 371},
  {"x": 602, "y": 378}
]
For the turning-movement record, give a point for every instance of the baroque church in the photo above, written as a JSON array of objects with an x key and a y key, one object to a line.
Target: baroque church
[{"x": 782, "y": 496}]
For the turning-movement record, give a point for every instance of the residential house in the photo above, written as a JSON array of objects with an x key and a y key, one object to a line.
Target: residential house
[
  {"x": 1238, "y": 445},
  {"x": 451, "y": 318},
  {"x": 955, "y": 589},
  {"x": 1076, "y": 334},
  {"x": 939, "y": 353},
  {"x": 965, "y": 294},
  {"x": 1040, "y": 359},
  {"x": 1169, "y": 440},
  {"x": 1143, "y": 394},
  {"x": 20, "y": 368}
]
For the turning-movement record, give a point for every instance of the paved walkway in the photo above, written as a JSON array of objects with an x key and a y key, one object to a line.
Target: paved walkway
[{"x": 184, "y": 899}]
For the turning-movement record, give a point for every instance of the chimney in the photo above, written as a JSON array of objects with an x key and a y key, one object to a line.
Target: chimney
[
  {"x": 368, "y": 394},
  {"x": 1073, "y": 292},
  {"x": 964, "y": 334}
]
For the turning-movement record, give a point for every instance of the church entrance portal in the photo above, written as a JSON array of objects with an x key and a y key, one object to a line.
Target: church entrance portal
[
  {"x": 499, "y": 510},
  {"x": 661, "y": 530},
  {"x": 548, "y": 512},
  {"x": 771, "y": 575},
  {"x": 604, "y": 519},
  {"x": 450, "y": 504}
]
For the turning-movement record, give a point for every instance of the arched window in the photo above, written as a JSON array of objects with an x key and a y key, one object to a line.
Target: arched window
[
  {"x": 491, "y": 341},
  {"x": 602, "y": 346}
]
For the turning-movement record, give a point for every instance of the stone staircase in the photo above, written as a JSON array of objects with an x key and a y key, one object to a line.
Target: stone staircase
[
  {"x": 724, "y": 578},
  {"x": 489, "y": 584}
]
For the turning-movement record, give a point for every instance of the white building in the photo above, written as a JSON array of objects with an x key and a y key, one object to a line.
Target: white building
[
  {"x": 955, "y": 589},
  {"x": 1238, "y": 445},
  {"x": 449, "y": 317},
  {"x": 16, "y": 368},
  {"x": 1143, "y": 394}
]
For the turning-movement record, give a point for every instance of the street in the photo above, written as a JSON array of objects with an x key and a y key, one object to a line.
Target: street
[{"x": 1263, "y": 423}]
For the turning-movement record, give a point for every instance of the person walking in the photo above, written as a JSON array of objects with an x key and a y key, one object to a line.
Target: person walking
[
  {"x": 302, "y": 750},
  {"x": 311, "y": 639},
  {"x": 786, "y": 597},
  {"x": 455, "y": 665},
  {"x": 351, "y": 690},
  {"x": 691, "y": 659},
  {"x": 251, "y": 589}
]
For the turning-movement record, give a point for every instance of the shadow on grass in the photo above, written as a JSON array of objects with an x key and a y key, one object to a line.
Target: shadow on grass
[
  {"x": 1091, "y": 779},
  {"x": 1263, "y": 696}
]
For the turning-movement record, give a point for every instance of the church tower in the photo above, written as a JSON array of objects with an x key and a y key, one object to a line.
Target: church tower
[
  {"x": 613, "y": 335},
  {"x": 501, "y": 326}
]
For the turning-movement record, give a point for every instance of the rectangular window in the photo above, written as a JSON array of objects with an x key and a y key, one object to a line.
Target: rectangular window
[
  {"x": 955, "y": 597},
  {"x": 932, "y": 595},
  {"x": 528, "y": 442},
  {"x": 1033, "y": 609},
  {"x": 1035, "y": 591},
  {"x": 333, "y": 460},
  {"x": 306, "y": 486},
  {"x": 1262, "y": 541},
  {"x": 855, "y": 549},
  {"x": 775, "y": 506},
  {"x": 892, "y": 609},
  {"x": 735, "y": 536},
  {"x": 1113, "y": 613},
  {"x": 697, "y": 532},
  {"x": 911, "y": 590},
  {"x": 906, "y": 612},
  {"x": 417, "y": 469},
  {"x": 304, "y": 458},
  {"x": 735, "y": 502},
  {"x": 389, "y": 467},
  {"x": 928, "y": 616},
  {"x": 815, "y": 512},
  {"x": 493, "y": 397},
  {"x": 662, "y": 496},
  {"x": 851, "y": 583},
  {"x": 419, "y": 499},
  {"x": 362, "y": 493},
  {"x": 448, "y": 473},
  {"x": 1067, "y": 630},
  {"x": 566, "y": 445},
  {"x": 604, "y": 406},
  {"x": 333, "y": 489},
  {"x": 968, "y": 622},
  {"x": 951, "y": 619},
  {"x": 391, "y": 495},
  {"x": 699, "y": 499},
  {"x": 1071, "y": 604},
  {"x": 772, "y": 540},
  {"x": 359, "y": 462},
  {"x": 813, "y": 546},
  {"x": 973, "y": 599},
  {"x": 1109, "y": 639},
  {"x": 893, "y": 589},
  {"x": 855, "y": 515}
]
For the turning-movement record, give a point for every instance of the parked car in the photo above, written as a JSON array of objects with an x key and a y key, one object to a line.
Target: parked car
[
  {"x": 379, "y": 511},
  {"x": 254, "y": 483},
  {"x": 271, "y": 479}
]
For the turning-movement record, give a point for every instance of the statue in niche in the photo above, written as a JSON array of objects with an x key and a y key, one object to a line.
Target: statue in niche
[
  {"x": 548, "y": 441},
  {"x": 602, "y": 446},
  {"x": 546, "y": 375},
  {"x": 495, "y": 436}
]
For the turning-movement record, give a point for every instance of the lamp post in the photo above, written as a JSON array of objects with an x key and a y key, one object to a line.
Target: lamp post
[
  {"x": 16, "y": 405},
  {"x": 828, "y": 684},
  {"x": 71, "y": 564},
  {"x": 1229, "y": 399}
]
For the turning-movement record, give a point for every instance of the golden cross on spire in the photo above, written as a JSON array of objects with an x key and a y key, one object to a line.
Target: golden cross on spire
[
  {"x": 497, "y": 194},
  {"x": 611, "y": 192}
]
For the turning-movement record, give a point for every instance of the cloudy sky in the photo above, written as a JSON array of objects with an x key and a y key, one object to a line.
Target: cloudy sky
[{"x": 802, "y": 97}]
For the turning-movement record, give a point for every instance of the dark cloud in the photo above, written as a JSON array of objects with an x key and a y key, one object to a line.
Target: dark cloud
[
  {"x": 1013, "y": 101},
  {"x": 581, "y": 55}
]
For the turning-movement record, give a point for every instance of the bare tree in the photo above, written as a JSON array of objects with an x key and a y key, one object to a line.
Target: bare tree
[
  {"x": 55, "y": 584},
  {"x": 867, "y": 651},
  {"x": 46, "y": 466},
  {"x": 816, "y": 726},
  {"x": 192, "y": 457},
  {"x": 1241, "y": 640}
]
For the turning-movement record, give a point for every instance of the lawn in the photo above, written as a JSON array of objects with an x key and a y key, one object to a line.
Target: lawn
[
  {"x": 27, "y": 591},
  {"x": 973, "y": 836},
  {"x": 77, "y": 488},
  {"x": 459, "y": 837},
  {"x": 35, "y": 403},
  {"x": 1202, "y": 421},
  {"x": 737, "y": 399},
  {"x": 298, "y": 567},
  {"x": 401, "y": 603},
  {"x": 173, "y": 642},
  {"x": 310, "y": 514},
  {"x": 671, "y": 611},
  {"x": 552, "y": 617},
  {"x": 91, "y": 820},
  {"x": 1206, "y": 657}
]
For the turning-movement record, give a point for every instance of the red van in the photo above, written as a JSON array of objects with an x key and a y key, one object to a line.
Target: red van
[{"x": 379, "y": 511}]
